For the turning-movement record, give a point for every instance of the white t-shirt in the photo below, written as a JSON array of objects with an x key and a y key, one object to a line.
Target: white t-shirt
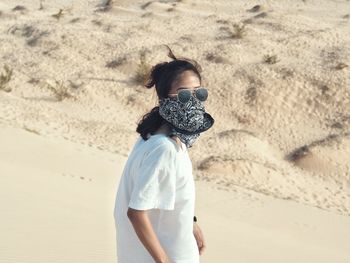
[{"x": 157, "y": 177}]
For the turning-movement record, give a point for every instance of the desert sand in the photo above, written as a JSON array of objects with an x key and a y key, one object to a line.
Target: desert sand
[{"x": 272, "y": 175}]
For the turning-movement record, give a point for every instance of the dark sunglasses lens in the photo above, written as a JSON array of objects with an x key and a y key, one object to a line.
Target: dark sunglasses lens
[
  {"x": 184, "y": 95},
  {"x": 202, "y": 94}
]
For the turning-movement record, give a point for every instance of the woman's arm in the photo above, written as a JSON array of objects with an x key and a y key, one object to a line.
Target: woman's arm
[{"x": 146, "y": 234}]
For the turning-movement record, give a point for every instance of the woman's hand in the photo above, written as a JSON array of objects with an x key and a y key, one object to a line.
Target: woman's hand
[{"x": 197, "y": 232}]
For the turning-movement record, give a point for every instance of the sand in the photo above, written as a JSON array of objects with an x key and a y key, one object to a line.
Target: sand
[{"x": 272, "y": 175}]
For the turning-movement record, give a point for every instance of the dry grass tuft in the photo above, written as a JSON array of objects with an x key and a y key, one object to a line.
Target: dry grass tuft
[
  {"x": 208, "y": 162},
  {"x": 237, "y": 31},
  {"x": 130, "y": 99},
  {"x": 19, "y": 8},
  {"x": 340, "y": 121},
  {"x": 74, "y": 20},
  {"x": 251, "y": 95},
  {"x": 143, "y": 69},
  {"x": 33, "y": 81},
  {"x": 252, "y": 92},
  {"x": 256, "y": 8},
  {"x": 144, "y": 6},
  {"x": 244, "y": 119},
  {"x": 41, "y": 7},
  {"x": 341, "y": 66},
  {"x": 324, "y": 89},
  {"x": 33, "y": 40},
  {"x": 270, "y": 59},
  {"x": 186, "y": 38},
  {"x": 337, "y": 125},
  {"x": 252, "y": 19},
  {"x": 105, "y": 5},
  {"x": 58, "y": 15},
  {"x": 5, "y": 78},
  {"x": 96, "y": 22},
  {"x": 215, "y": 58},
  {"x": 222, "y": 21},
  {"x": 299, "y": 153},
  {"x": 305, "y": 150},
  {"x": 60, "y": 91},
  {"x": 116, "y": 62},
  {"x": 31, "y": 130}
]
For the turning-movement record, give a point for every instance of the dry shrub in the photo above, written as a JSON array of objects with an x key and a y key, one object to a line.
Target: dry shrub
[
  {"x": 208, "y": 162},
  {"x": 60, "y": 91},
  {"x": 256, "y": 8},
  {"x": 105, "y": 5},
  {"x": 251, "y": 95},
  {"x": 222, "y": 21},
  {"x": 19, "y": 8},
  {"x": 305, "y": 150},
  {"x": 41, "y": 7},
  {"x": 237, "y": 30},
  {"x": 324, "y": 89},
  {"x": 96, "y": 22},
  {"x": 337, "y": 125},
  {"x": 341, "y": 66},
  {"x": 287, "y": 72},
  {"x": 36, "y": 37},
  {"x": 31, "y": 33},
  {"x": 130, "y": 99},
  {"x": 215, "y": 58},
  {"x": 58, "y": 15},
  {"x": 298, "y": 153},
  {"x": 74, "y": 20},
  {"x": 270, "y": 59},
  {"x": 186, "y": 38},
  {"x": 143, "y": 69},
  {"x": 5, "y": 78},
  {"x": 116, "y": 62},
  {"x": 144, "y": 6},
  {"x": 244, "y": 119},
  {"x": 339, "y": 121},
  {"x": 31, "y": 130}
]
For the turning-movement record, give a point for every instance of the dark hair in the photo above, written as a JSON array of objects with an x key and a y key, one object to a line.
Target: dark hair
[{"x": 162, "y": 75}]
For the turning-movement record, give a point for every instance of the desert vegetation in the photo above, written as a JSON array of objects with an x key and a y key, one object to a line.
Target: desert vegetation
[{"x": 5, "y": 78}]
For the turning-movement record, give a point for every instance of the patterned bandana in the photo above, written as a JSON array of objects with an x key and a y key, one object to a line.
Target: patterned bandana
[{"x": 186, "y": 120}]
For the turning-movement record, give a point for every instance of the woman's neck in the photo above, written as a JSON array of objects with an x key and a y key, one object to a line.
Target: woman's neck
[{"x": 165, "y": 129}]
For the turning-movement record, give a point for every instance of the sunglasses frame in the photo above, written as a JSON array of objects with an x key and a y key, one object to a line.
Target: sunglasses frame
[{"x": 193, "y": 93}]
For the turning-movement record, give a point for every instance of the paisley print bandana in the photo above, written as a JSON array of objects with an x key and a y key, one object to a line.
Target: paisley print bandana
[{"x": 186, "y": 120}]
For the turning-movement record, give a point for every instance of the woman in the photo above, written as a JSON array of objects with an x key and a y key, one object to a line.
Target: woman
[{"x": 154, "y": 208}]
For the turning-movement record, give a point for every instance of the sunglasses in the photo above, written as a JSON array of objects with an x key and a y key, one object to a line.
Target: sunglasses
[{"x": 184, "y": 95}]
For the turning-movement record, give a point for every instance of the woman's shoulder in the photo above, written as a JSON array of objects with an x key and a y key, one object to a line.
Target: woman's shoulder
[{"x": 160, "y": 141}]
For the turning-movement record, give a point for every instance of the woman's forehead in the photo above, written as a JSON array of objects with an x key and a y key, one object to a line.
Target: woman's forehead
[{"x": 189, "y": 81}]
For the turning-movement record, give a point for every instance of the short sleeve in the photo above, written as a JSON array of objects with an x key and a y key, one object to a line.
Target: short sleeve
[{"x": 155, "y": 185}]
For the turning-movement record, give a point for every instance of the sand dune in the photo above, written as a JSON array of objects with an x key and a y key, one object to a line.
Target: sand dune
[
  {"x": 278, "y": 75},
  {"x": 56, "y": 208}
]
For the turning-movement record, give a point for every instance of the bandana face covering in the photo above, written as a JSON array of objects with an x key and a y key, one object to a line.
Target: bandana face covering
[{"x": 186, "y": 120}]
